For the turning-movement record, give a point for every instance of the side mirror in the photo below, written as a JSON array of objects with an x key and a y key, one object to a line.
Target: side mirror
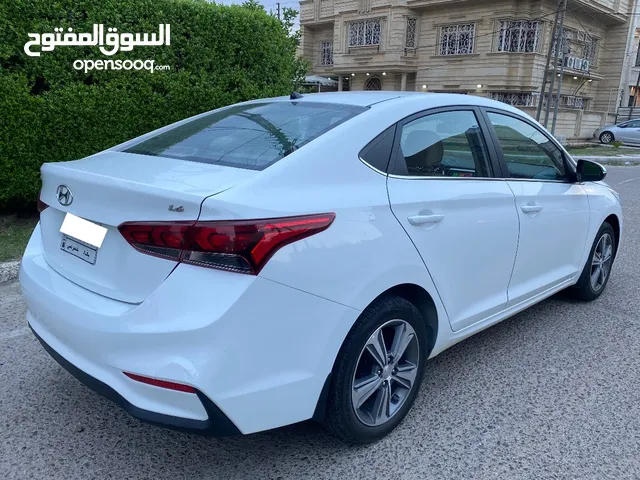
[{"x": 588, "y": 171}]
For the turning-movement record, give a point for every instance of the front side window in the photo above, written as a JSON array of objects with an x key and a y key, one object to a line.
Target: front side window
[
  {"x": 326, "y": 53},
  {"x": 521, "y": 36},
  {"x": 251, "y": 136},
  {"x": 527, "y": 152},
  {"x": 631, "y": 124},
  {"x": 364, "y": 32},
  {"x": 457, "y": 39},
  {"x": 447, "y": 144}
]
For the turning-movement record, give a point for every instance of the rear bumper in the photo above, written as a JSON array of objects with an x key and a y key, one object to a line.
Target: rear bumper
[
  {"x": 217, "y": 423},
  {"x": 257, "y": 352}
]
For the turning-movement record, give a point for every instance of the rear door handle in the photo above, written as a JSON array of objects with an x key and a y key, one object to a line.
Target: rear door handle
[
  {"x": 531, "y": 208},
  {"x": 424, "y": 219}
]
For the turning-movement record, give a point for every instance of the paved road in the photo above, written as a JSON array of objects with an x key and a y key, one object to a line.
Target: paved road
[{"x": 550, "y": 393}]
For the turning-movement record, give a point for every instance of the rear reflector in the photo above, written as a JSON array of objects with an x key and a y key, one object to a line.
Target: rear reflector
[
  {"x": 242, "y": 246},
  {"x": 161, "y": 383}
]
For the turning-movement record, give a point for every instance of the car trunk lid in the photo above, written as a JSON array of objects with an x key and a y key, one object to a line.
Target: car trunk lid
[{"x": 111, "y": 188}]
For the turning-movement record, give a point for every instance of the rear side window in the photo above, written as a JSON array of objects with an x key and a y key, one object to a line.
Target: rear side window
[
  {"x": 378, "y": 151},
  {"x": 446, "y": 144},
  {"x": 250, "y": 136}
]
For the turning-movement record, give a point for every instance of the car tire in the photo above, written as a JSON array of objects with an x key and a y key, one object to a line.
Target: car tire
[
  {"x": 606, "y": 137},
  {"x": 586, "y": 289},
  {"x": 384, "y": 322}
]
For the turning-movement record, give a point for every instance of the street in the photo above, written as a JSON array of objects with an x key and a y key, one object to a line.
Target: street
[{"x": 550, "y": 393}]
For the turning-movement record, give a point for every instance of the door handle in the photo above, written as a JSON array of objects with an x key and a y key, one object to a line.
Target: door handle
[
  {"x": 423, "y": 219},
  {"x": 531, "y": 208}
]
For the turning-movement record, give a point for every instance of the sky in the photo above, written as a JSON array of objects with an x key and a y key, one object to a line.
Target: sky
[{"x": 270, "y": 5}]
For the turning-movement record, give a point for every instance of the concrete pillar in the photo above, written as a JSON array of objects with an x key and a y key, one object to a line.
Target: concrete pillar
[
  {"x": 403, "y": 82},
  {"x": 340, "y": 83},
  {"x": 578, "y": 124}
]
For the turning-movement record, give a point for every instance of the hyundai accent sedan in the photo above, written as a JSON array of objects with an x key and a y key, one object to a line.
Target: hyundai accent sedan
[{"x": 302, "y": 257}]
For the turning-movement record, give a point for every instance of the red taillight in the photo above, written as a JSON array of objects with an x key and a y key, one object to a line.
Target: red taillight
[
  {"x": 162, "y": 239},
  {"x": 161, "y": 383},
  {"x": 238, "y": 245},
  {"x": 41, "y": 205}
]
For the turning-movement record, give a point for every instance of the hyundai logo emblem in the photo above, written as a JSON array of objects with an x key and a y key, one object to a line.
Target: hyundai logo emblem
[{"x": 65, "y": 197}]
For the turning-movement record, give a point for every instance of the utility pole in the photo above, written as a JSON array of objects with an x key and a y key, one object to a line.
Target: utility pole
[
  {"x": 278, "y": 4},
  {"x": 565, "y": 50},
  {"x": 559, "y": 37},
  {"x": 546, "y": 67},
  {"x": 635, "y": 96}
]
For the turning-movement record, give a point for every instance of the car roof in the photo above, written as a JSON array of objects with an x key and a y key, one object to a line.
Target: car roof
[{"x": 421, "y": 100}]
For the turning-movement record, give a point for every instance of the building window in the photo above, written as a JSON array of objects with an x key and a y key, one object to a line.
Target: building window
[
  {"x": 516, "y": 99},
  {"x": 638, "y": 56},
  {"x": 589, "y": 50},
  {"x": 579, "y": 45},
  {"x": 568, "y": 101},
  {"x": 326, "y": 53},
  {"x": 373, "y": 83},
  {"x": 567, "y": 37},
  {"x": 457, "y": 39},
  {"x": 522, "y": 36},
  {"x": 364, "y": 32},
  {"x": 410, "y": 33}
]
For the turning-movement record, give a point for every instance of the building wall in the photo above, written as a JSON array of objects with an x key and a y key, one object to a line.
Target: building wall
[
  {"x": 607, "y": 20},
  {"x": 499, "y": 71}
]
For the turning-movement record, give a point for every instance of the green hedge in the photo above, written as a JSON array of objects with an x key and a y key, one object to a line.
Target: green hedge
[{"x": 50, "y": 111}]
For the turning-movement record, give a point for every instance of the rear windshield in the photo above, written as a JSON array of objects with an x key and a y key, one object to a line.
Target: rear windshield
[{"x": 250, "y": 136}]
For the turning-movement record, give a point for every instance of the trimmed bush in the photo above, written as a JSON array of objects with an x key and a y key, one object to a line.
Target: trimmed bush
[{"x": 50, "y": 111}]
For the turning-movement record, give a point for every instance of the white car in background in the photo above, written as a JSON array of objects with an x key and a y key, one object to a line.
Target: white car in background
[{"x": 302, "y": 257}]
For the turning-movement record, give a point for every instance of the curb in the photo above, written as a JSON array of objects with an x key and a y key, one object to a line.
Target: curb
[{"x": 9, "y": 271}]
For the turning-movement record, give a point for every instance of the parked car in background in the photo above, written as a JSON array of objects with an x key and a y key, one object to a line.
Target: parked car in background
[
  {"x": 626, "y": 132},
  {"x": 302, "y": 257}
]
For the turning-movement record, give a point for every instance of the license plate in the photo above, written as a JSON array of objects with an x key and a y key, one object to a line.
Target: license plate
[
  {"x": 82, "y": 230},
  {"x": 79, "y": 249}
]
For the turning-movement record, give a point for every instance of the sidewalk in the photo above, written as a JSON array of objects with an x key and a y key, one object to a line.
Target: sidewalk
[{"x": 9, "y": 271}]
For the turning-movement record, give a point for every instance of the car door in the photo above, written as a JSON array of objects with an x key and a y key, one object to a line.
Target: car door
[
  {"x": 629, "y": 132},
  {"x": 553, "y": 210},
  {"x": 460, "y": 217}
]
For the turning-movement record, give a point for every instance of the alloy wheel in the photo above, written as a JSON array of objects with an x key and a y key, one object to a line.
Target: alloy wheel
[
  {"x": 385, "y": 372},
  {"x": 601, "y": 262},
  {"x": 606, "y": 137}
]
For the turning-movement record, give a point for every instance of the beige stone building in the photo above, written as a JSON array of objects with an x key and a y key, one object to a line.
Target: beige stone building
[
  {"x": 629, "y": 94},
  {"x": 493, "y": 48}
]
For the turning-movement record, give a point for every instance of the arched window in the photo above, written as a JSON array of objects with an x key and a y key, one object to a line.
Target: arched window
[{"x": 373, "y": 83}]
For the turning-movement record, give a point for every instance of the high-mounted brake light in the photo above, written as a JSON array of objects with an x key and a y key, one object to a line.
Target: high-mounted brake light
[{"x": 242, "y": 246}]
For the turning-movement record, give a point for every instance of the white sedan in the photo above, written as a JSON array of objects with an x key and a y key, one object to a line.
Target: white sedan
[{"x": 302, "y": 257}]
